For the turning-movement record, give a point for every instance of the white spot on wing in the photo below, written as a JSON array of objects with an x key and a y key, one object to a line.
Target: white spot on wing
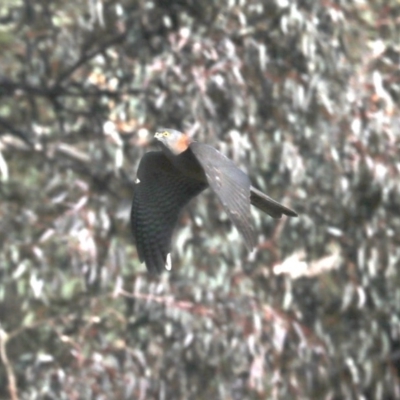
[
  {"x": 168, "y": 263},
  {"x": 137, "y": 180}
]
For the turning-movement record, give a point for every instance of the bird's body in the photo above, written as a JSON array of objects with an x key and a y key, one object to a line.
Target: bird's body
[{"x": 169, "y": 179}]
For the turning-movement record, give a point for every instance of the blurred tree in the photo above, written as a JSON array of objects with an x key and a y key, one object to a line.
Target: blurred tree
[{"x": 303, "y": 95}]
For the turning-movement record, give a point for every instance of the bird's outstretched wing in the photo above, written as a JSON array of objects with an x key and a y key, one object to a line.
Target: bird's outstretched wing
[
  {"x": 268, "y": 205},
  {"x": 160, "y": 193},
  {"x": 231, "y": 185}
]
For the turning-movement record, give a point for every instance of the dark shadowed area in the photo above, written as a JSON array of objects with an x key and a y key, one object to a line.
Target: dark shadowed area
[{"x": 304, "y": 96}]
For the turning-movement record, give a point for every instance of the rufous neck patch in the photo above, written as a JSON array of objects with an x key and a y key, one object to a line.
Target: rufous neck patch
[{"x": 182, "y": 144}]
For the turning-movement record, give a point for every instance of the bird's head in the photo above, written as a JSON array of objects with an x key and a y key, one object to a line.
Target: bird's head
[{"x": 177, "y": 142}]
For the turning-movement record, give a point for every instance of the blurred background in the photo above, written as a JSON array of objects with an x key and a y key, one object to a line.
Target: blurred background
[{"x": 304, "y": 96}]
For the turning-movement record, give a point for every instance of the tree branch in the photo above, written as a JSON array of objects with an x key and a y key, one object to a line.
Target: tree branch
[
  {"x": 86, "y": 57},
  {"x": 8, "y": 128},
  {"x": 12, "y": 382}
]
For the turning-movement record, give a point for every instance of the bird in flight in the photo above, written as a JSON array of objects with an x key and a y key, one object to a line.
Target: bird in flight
[{"x": 168, "y": 179}]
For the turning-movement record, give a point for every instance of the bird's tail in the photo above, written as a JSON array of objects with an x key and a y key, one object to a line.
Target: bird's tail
[{"x": 268, "y": 205}]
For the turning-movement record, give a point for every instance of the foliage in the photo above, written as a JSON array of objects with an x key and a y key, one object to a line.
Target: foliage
[{"x": 303, "y": 95}]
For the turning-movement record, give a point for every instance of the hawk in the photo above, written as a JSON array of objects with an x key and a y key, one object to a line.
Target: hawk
[{"x": 168, "y": 179}]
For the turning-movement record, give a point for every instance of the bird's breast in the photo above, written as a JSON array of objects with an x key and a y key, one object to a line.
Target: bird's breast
[{"x": 187, "y": 163}]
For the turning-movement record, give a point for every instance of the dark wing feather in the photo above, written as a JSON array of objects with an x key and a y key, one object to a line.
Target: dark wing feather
[
  {"x": 231, "y": 185},
  {"x": 268, "y": 205},
  {"x": 159, "y": 196}
]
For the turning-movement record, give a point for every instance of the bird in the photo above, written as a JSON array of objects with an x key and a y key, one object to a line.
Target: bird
[{"x": 168, "y": 179}]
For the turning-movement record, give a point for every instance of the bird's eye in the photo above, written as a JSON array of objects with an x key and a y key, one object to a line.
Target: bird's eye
[{"x": 166, "y": 133}]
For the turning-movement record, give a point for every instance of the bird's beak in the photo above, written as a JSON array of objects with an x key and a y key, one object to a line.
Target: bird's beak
[
  {"x": 158, "y": 135},
  {"x": 160, "y": 132}
]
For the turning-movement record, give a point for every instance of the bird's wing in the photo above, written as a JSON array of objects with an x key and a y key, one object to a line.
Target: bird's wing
[
  {"x": 268, "y": 205},
  {"x": 160, "y": 193},
  {"x": 231, "y": 185}
]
